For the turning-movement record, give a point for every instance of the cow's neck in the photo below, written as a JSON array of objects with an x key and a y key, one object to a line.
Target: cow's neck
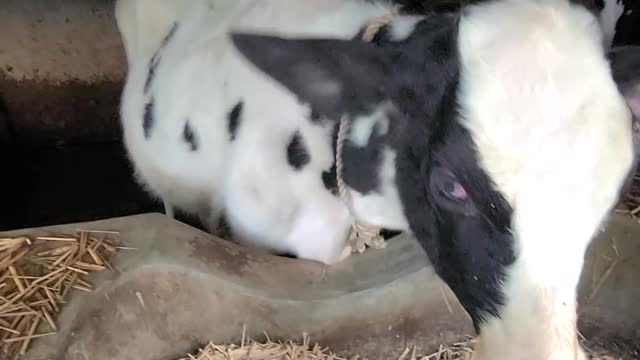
[
  {"x": 369, "y": 171},
  {"x": 532, "y": 313}
]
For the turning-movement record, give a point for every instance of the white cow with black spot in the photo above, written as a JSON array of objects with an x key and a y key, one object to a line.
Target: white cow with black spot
[{"x": 501, "y": 137}]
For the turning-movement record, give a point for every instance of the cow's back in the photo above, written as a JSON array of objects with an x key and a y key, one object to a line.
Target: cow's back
[{"x": 197, "y": 117}]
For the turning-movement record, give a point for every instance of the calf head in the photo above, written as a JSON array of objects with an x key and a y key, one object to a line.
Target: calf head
[{"x": 511, "y": 134}]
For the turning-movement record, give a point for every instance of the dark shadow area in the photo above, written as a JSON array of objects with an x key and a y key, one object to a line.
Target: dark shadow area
[
  {"x": 628, "y": 26},
  {"x": 62, "y": 184}
]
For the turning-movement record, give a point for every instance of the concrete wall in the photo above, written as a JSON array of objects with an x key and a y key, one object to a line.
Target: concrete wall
[{"x": 61, "y": 71}]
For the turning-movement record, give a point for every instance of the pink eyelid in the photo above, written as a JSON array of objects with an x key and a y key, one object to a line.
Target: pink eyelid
[{"x": 459, "y": 192}]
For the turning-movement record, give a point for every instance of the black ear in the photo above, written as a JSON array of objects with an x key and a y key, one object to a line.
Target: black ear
[
  {"x": 625, "y": 68},
  {"x": 334, "y": 76}
]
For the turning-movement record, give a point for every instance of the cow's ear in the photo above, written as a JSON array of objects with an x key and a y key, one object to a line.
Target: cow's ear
[{"x": 334, "y": 76}]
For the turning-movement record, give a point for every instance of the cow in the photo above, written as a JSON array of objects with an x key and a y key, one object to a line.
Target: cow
[{"x": 501, "y": 136}]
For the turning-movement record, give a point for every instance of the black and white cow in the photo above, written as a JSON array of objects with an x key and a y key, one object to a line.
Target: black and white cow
[{"x": 500, "y": 136}]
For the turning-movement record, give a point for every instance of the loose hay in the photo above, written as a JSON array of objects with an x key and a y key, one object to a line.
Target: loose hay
[
  {"x": 36, "y": 277},
  {"x": 290, "y": 350}
]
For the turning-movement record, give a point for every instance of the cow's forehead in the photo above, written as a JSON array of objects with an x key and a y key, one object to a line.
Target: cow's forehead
[{"x": 537, "y": 95}]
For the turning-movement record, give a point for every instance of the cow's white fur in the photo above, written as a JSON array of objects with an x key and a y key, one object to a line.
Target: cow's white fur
[
  {"x": 403, "y": 26},
  {"x": 562, "y": 175},
  {"x": 143, "y": 24}
]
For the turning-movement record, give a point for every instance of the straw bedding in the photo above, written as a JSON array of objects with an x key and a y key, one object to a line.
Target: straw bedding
[
  {"x": 37, "y": 276},
  {"x": 290, "y": 350}
]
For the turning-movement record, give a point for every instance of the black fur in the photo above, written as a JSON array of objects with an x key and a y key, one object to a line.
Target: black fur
[
  {"x": 627, "y": 29},
  {"x": 347, "y": 82},
  {"x": 155, "y": 59},
  {"x": 315, "y": 117},
  {"x": 468, "y": 242},
  {"x": 297, "y": 153},
  {"x": 330, "y": 180},
  {"x": 470, "y": 251},
  {"x": 426, "y": 7},
  {"x": 625, "y": 66},
  {"x": 361, "y": 164},
  {"x": 595, "y": 6},
  {"x": 330, "y": 177},
  {"x": 190, "y": 137},
  {"x": 148, "y": 120},
  {"x": 234, "y": 118}
]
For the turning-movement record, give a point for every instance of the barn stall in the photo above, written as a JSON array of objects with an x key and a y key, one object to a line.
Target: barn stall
[{"x": 135, "y": 284}]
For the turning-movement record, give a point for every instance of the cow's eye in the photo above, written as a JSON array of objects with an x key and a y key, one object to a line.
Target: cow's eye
[
  {"x": 448, "y": 192},
  {"x": 454, "y": 191}
]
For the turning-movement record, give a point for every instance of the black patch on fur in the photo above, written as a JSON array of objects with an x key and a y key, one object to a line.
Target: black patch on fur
[
  {"x": 424, "y": 7},
  {"x": 155, "y": 59},
  {"x": 190, "y": 137},
  {"x": 594, "y": 6},
  {"x": 234, "y": 120},
  {"x": 330, "y": 177},
  {"x": 330, "y": 181},
  {"x": 315, "y": 117},
  {"x": 297, "y": 154},
  {"x": 148, "y": 120},
  {"x": 362, "y": 164}
]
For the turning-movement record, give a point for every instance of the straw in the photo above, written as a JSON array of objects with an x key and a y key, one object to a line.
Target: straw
[
  {"x": 36, "y": 277},
  {"x": 290, "y": 350}
]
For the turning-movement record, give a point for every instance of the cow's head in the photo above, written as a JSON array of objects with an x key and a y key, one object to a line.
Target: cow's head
[{"x": 512, "y": 139}]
